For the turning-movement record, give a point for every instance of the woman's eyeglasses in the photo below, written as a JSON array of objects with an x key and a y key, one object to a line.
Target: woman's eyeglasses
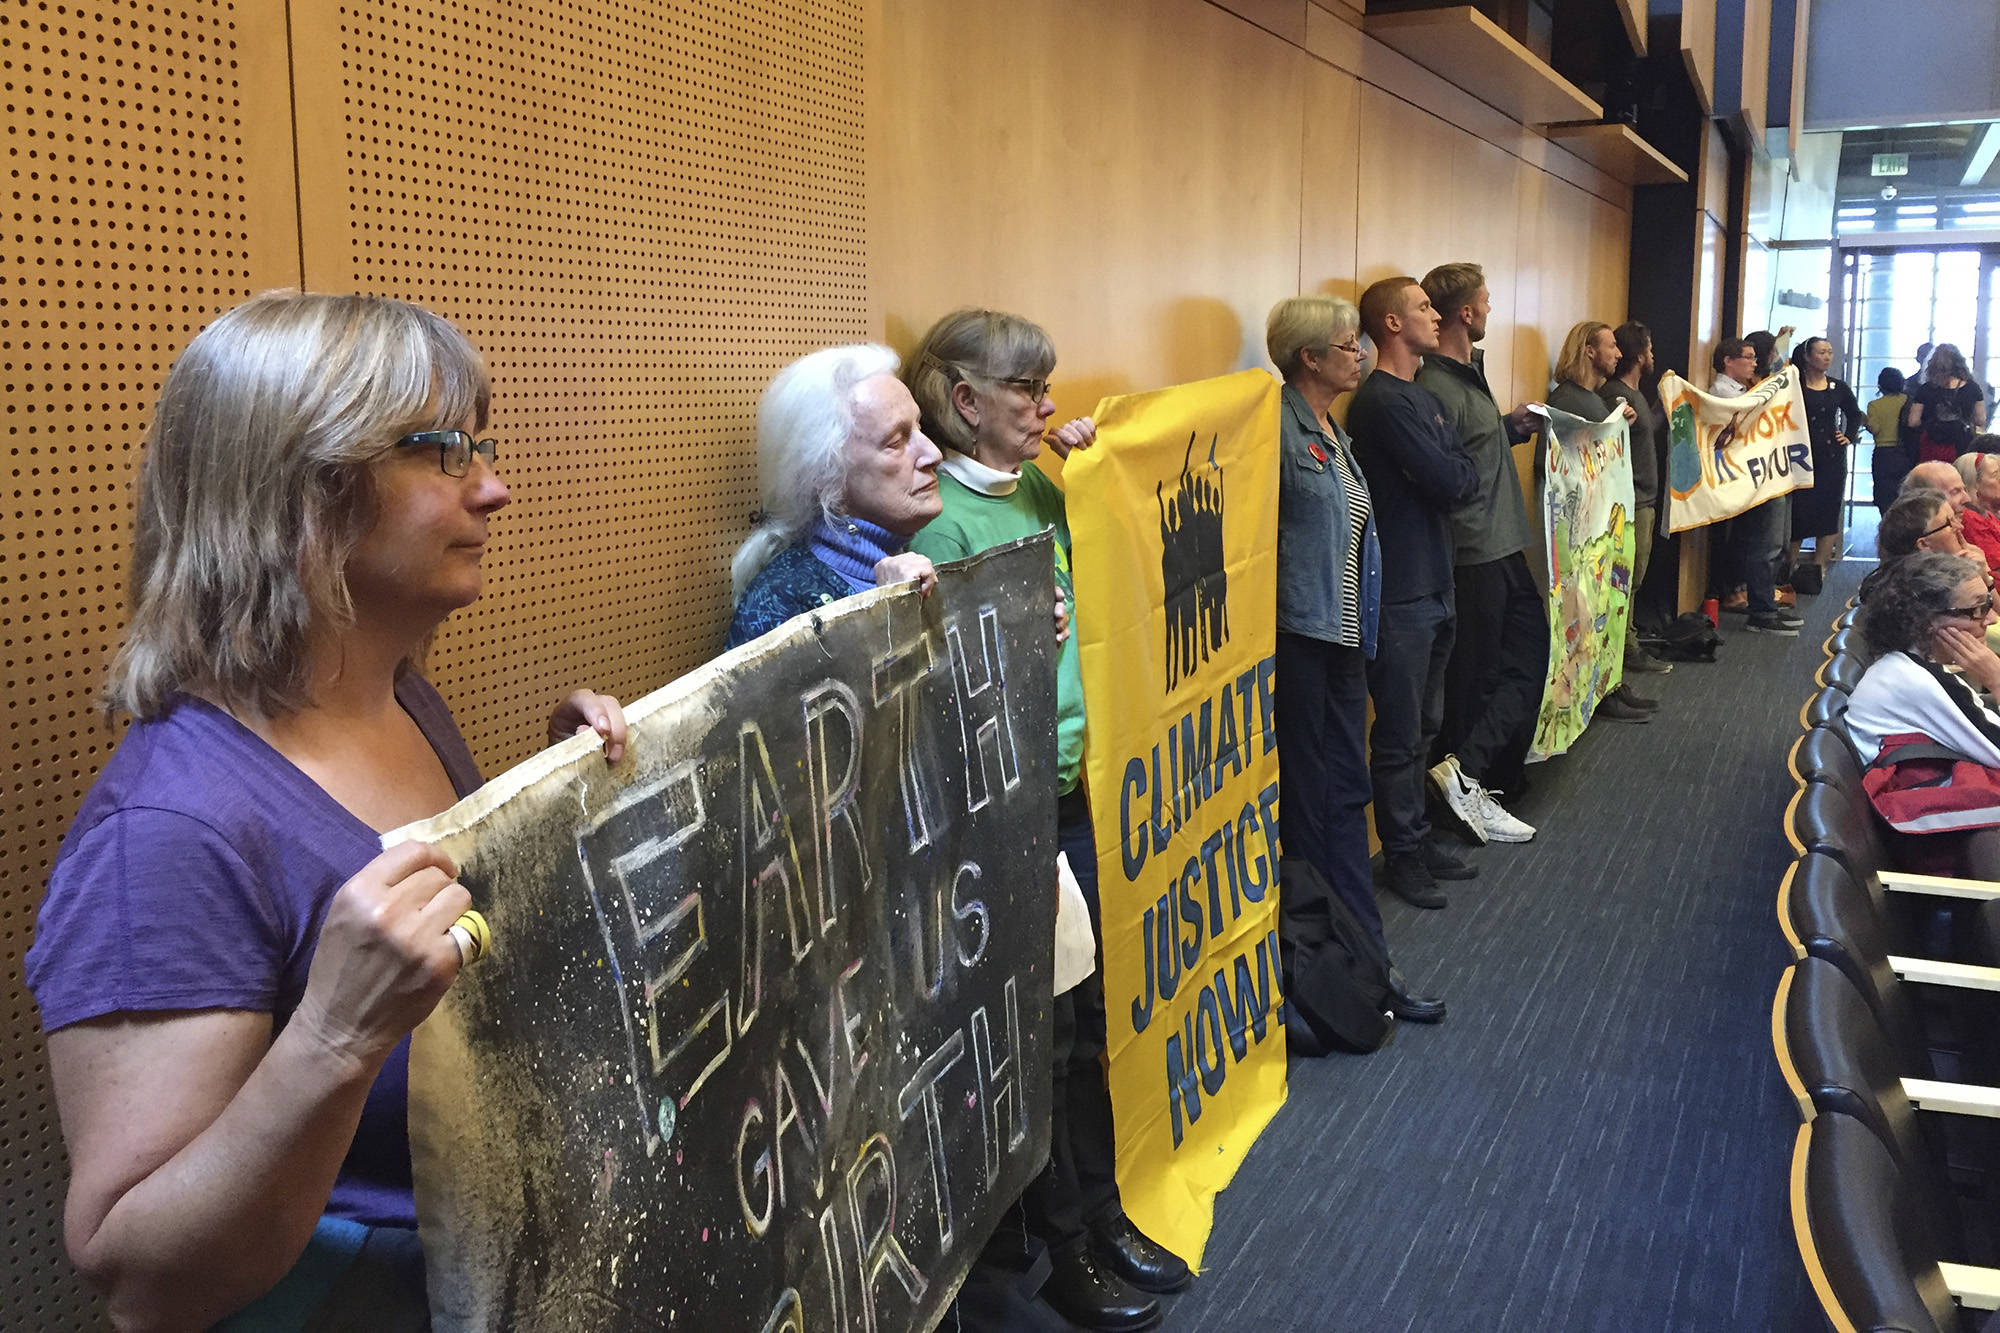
[
  {"x": 455, "y": 449},
  {"x": 1036, "y": 388},
  {"x": 1979, "y": 610}
]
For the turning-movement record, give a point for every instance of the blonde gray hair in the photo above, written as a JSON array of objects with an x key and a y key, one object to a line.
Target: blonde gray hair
[
  {"x": 804, "y": 420},
  {"x": 256, "y": 489},
  {"x": 1300, "y": 324},
  {"x": 971, "y": 344}
]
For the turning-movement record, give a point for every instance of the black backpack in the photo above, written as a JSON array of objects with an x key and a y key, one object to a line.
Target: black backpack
[
  {"x": 1336, "y": 973},
  {"x": 1690, "y": 638}
]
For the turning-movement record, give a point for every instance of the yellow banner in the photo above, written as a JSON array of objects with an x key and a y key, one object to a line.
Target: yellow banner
[{"x": 1174, "y": 518}]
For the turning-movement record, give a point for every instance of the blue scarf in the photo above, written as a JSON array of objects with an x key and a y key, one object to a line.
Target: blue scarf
[{"x": 851, "y": 548}]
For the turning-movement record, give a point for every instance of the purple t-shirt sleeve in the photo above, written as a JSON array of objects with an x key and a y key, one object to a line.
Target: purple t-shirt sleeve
[{"x": 149, "y": 910}]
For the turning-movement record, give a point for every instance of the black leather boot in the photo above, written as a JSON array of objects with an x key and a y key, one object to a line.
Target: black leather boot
[
  {"x": 1091, "y": 1296},
  {"x": 1132, "y": 1255}
]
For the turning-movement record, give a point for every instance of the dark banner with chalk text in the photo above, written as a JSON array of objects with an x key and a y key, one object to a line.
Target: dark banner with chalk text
[{"x": 763, "y": 1041}]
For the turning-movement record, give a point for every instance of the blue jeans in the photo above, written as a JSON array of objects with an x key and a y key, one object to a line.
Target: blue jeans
[
  {"x": 1406, "y": 681},
  {"x": 1322, "y": 713},
  {"x": 1761, "y": 532}
]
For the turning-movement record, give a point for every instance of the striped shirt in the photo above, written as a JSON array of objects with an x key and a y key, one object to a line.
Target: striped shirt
[{"x": 1357, "y": 528}]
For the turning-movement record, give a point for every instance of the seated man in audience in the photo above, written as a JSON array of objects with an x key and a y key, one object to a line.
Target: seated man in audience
[
  {"x": 1980, "y": 514},
  {"x": 1943, "y": 477},
  {"x": 1417, "y": 473},
  {"x": 847, "y": 477},
  {"x": 1937, "y": 476}
]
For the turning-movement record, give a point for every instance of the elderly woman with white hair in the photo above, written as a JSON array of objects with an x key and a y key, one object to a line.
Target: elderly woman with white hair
[
  {"x": 1980, "y": 516},
  {"x": 228, "y": 964},
  {"x": 847, "y": 477}
]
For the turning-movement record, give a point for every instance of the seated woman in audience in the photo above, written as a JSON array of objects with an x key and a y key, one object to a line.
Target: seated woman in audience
[
  {"x": 847, "y": 478},
  {"x": 1926, "y": 621},
  {"x": 1980, "y": 519},
  {"x": 227, "y": 962},
  {"x": 1921, "y": 520},
  {"x": 981, "y": 381}
]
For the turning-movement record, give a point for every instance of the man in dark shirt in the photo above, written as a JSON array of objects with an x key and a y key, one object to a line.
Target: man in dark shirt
[
  {"x": 1500, "y": 656},
  {"x": 1417, "y": 473}
]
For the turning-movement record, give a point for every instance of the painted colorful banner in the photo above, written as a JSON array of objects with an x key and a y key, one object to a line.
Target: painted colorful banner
[
  {"x": 1587, "y": 525},
  {"x": 1727, "y": 455},
  {"x": 763, "y": 1042},
  {"x": 1174, "y": 515}
]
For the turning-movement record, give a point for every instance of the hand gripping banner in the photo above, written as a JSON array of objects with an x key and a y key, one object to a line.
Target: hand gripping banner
[
  {"x": 762, "y": 1042},
  {"x": 1587, "y": 527},
  {"x": 1174, "y": 516},
  {"x": 1727, "y": 455}
]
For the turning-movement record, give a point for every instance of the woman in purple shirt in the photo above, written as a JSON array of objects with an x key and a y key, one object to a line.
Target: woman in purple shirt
[{"x": 227, "y": 964}]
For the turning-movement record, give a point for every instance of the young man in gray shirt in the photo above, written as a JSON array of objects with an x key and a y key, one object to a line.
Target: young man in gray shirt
[{"x": 1493, "y": 686}]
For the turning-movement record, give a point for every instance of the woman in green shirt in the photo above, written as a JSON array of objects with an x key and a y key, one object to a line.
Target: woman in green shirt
[{"x": 981, "y": 381}]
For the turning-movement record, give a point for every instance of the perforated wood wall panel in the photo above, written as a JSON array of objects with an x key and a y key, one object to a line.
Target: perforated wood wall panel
[
  {"x": 638, "y": 210},
  {"x": 148, "y": 185}
]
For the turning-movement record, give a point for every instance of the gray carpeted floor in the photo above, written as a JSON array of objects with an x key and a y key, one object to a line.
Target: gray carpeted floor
[{"x": 1597, "y": 1138}]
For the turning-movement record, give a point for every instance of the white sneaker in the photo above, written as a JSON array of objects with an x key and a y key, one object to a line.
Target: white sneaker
[
  {"x": 1460, "y": 795},
  {"x": 1501, "y": 826}
]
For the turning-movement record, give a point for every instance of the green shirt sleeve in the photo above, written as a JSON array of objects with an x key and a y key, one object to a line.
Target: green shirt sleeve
[{"x": 941, "y": 540}]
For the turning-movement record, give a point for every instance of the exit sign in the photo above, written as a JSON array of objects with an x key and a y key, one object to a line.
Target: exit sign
[{"x": 1890, "y": 164}]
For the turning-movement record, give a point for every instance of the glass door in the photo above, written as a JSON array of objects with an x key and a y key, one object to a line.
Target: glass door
[{"x": 1891, "y": 303}]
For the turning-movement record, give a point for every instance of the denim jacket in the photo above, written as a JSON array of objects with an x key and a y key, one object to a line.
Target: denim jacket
[{"x": 1312, "y": 524}]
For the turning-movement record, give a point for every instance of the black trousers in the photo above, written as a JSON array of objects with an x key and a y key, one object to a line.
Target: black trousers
[
  {"x": 1499, "y": 665},
  {"x": 1079, "y": 1188},
  {"x": 1322, "y": 715}
]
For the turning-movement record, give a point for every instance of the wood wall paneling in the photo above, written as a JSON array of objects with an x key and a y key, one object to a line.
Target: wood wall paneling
[
  {"x": 1484, "y": 227},
  {"x": 1127, "y": 187},
  {"x": 1756, "y": 82},
  {"x": 1712, "y": 179},
  {"x": 637, "y": 217},
  {"x": 1342, "y": 44},
  {"x": 1698, "y": 48},
  {"x": 1330, "y": 206},
  {"x": 150, "y": 186},
  {"x": 1632, "y": 14},
  {"x": 1283, "y": 18},
  {"x": 1407, "y": 190}
]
